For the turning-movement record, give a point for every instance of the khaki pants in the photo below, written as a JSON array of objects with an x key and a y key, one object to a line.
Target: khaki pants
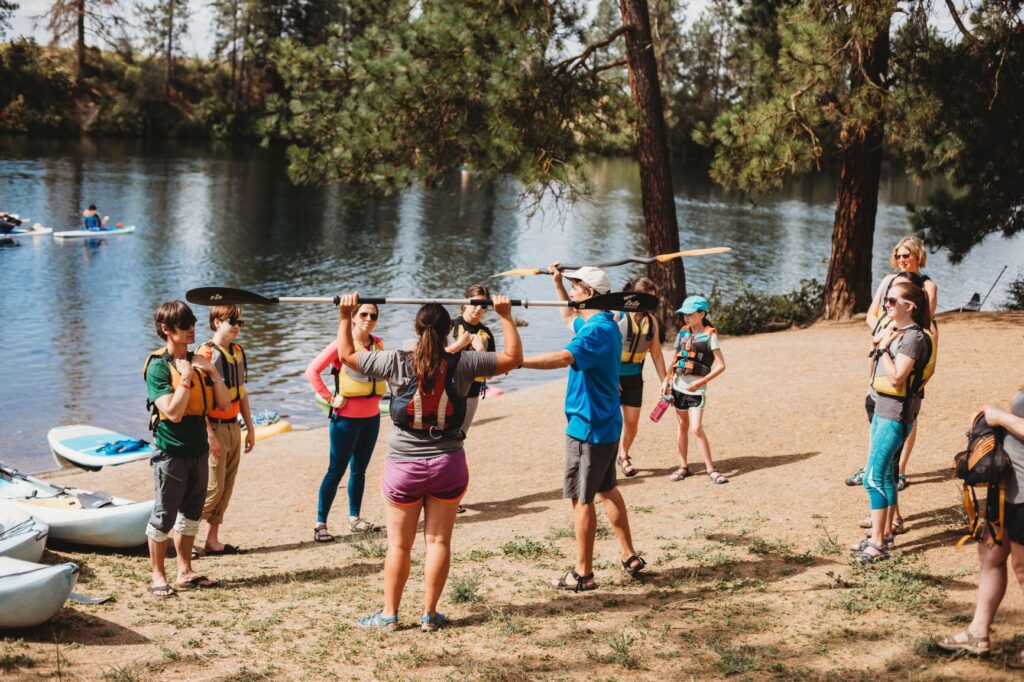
[{"x": 222, "y": 471}]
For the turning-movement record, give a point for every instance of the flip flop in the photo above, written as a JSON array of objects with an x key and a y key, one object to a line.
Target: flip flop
[
  {"x": 228, "y": 549},
  {"x": 199, "y": 582},
  {"x": 162, "y": 591}
]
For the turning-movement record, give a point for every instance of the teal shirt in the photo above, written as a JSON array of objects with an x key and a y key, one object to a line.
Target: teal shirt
[
  {"x": 592, "y": 405},
  {"x": 187, "y": 438}
]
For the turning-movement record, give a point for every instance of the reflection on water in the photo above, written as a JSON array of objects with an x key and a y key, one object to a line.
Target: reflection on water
[{"x": 76, "y": 316}]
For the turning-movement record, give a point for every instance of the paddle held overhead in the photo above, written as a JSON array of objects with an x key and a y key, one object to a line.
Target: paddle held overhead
[
  {"x": 627, "y": 301},
  {"x": 644, "y": 260}
]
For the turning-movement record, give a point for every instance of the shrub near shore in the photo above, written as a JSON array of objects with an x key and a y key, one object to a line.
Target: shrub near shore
[{"x": 752, "y": 312}]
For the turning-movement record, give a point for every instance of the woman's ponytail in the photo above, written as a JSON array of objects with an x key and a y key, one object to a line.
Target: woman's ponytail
[{"x": 432, "y": 324}]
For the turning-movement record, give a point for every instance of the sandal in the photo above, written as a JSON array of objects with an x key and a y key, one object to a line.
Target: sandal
[
  {"x": 1016, "y": 661},
  {"x": 430, "y": 623},
  {"x": 361, "y": 525},
  {"x": 902, "y": 483},
  {"x": 856, "y": 479},
  {"x": 460, "y": 509},
  {"x": 680, "y": 473},
  {"x": 378, "y": 621},
  {"x": 575, "y": 582},
  {"x": 888, "y": 542},
  {"x": 227, "y": 549},
  {"x": 717, "y": 478},
  {"x": 162, "y": 591},
  {"x": 633, "y": 565},
  {"x": 321, "y": 534},
  {"x": 979, "y": 646},
  {"x": 866, "y": 557},
  {"x": 628, "y": 470},
  {"x": 196, "y": 583}
]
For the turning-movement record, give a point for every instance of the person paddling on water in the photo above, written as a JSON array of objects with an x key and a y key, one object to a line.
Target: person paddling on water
[
  {"x": 594, "y": 423},
  {"x": 354, "y": 423},
  {"x": 223, "y": 431},
  {"x": 640, "y": 336},
  {"x": 91, "y": 218},
  {"x": 181, "y": 387},
  {"x": 698, "y": 360},
  {"x": 425, "y": 468},
  {"x": 470, "y": 333}
]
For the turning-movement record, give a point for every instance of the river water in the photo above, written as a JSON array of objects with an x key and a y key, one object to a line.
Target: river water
[{"x": 76, "y": 316}]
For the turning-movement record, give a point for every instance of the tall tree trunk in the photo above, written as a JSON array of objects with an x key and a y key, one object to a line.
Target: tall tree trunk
[
  {"x": 656, "y": 191},
  {"x": 848, "y": 284},
  {"x": 169, "y": 50},
  {"x": 234, "y": 62},
  {"x": 80, "y": 45}
]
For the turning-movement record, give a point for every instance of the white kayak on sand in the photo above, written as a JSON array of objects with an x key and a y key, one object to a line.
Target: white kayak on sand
[
  {"x": 21, "y": 535},
  {"x": 31, "y": 593},
  {"x": 74, "y": 515},
  {"x": 36, "y": 230},
  {"x": 94, "y": 234},
  {"x": 92, "y": 447}
]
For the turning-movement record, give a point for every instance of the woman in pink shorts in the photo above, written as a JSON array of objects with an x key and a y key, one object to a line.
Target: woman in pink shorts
[{"x": 425, "y": 467}]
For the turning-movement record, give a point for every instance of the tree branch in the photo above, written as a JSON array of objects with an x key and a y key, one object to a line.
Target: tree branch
[
  {"x": 959, "y": 22},
  {"x": 581, "y": 57},
  {"x": 609, "y": 65}
]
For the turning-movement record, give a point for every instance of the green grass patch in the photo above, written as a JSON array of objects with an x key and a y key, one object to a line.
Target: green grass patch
[
  {"x": 370, "y": 548},
  {"x": 901, "y": 584},
  {"x": 464, "y": 589},
  {"x": 9, "y": 661},
  {"x": 745, "y": 658},
  {"x": 526, "y": 548}
]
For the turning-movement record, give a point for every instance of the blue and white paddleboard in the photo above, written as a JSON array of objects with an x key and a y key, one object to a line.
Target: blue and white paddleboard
[
  {"x": 24, "y": 231},
  {"x": 93, "y": 234},
  {"x": 83, "y": 446}
]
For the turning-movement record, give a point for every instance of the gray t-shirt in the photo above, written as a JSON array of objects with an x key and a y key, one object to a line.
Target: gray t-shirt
[
  {"x": 394, "y": 366},
  {"x": 1015, "y": 451},
  {"x": 914, "y": 345}
]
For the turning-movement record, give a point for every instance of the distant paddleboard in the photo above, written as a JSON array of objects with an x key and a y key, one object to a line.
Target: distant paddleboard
[
  {"x": 22, "y": 232},
  {"x": 94, "y": 234},
  {"x": 385, "y": 404},
  {"x": 92, "y": 447}
]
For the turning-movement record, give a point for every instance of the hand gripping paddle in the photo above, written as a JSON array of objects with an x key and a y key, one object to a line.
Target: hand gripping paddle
[
  {"x": 644, "y": 260},
  {"x": 626, "y": 301}
]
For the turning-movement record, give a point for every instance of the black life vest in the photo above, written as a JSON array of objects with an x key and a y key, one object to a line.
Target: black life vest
[
  {"x": 696, "y": 357},
  {"x": 439, "y": 411},
  {"x": 480, "y": 330},
  {"x": 233, "y": 368}
]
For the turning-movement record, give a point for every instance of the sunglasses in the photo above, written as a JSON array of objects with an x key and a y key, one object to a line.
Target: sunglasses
[
  {"x": 235, "y": 321},
  {"x": 891, "y": 301},
  {"x": 185, "y": 326},
  {"x": 479, "y": 304},
  {"x": 903, "y": 256},
  {"x": 369, "y": 316}
]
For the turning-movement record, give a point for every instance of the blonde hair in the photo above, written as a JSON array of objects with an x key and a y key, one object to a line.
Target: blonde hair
[{"x": 915, "y": 246}]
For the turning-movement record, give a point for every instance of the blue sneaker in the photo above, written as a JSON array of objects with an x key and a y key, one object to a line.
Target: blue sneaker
[
  {"x": 378, "y": 621},
  {"x": 430, "y": 623}
]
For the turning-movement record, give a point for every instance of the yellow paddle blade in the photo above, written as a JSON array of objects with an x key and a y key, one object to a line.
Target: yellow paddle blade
[
  {"x": 519, "y": 272},
  {"x": 692, "y": 252}
]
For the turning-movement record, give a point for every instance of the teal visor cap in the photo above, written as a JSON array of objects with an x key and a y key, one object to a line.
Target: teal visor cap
[{"x": 692, "y": 304}]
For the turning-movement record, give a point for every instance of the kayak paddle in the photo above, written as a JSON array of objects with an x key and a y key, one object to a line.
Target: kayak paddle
[
  {"x": 627, "y": 301},
  {"x": 645, "y": 260}
]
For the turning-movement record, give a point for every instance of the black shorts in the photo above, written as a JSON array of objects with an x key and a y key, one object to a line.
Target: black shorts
[
  {"x": 687, "y": 401},
  {"x": 631, "y": 390},
  {"x": 1014, "y": 516},
  {"x": 869, "y": 407}
]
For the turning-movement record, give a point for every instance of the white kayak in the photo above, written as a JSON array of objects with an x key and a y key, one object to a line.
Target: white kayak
[
  {"x": 92, "y": 447},
  {"x": 94, "y": 234},
  {"x": 20, "y": 232},
  {"x": 31, "y": 593},
  {"x": 75, "y": 515},
  {"x": 21, "y": 535}
]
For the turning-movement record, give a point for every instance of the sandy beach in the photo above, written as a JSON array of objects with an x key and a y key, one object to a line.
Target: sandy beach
[{"x": 745, "y": 579}]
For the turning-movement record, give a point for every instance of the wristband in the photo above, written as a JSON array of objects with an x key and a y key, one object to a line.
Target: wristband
[{"x": 218, "y": 381}]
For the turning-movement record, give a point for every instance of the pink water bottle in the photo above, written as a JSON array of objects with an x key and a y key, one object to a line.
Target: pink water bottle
[{"x": 659, "y": 409}]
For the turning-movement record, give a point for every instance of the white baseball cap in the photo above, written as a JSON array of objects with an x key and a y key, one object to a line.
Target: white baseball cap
[{"x": 592, "y": 277}]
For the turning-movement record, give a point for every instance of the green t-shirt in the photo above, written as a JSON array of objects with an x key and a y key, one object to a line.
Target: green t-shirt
[{"x": 187, "y": 438}]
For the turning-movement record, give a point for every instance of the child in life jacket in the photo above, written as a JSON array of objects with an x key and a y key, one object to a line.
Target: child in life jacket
[
  {"x": 222, "y": 427},
  {"x": 698, "y": 359}
]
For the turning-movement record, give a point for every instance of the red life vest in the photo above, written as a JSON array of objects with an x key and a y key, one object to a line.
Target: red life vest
[{"x": 438, "y": 411}]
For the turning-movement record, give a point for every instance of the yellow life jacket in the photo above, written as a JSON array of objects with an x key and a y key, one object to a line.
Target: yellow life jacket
[
  {"x": 351, "y": 384},
  {"x": 234, "y": 368},
  {"x": 636, "y": 339},
  {"x": 919, "y": 375},
  {"x": 200, "y": 396}
]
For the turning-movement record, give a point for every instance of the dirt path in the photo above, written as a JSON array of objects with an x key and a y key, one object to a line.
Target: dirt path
[{"x": 749, "y": 579}]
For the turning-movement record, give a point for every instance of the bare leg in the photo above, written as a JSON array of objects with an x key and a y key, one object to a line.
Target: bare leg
[
  {"x": 878, "y": 517},
  {"x": 697, "y": 429},
  {"x": 908, "y": 447},
  {"x": 630, "y": 424},
  {"x": 157, "y": 552},
  {"x": 183, "y": 546},
  {"x": 991, "y": 584},
  {"x": 683, "y": 434},
  {"x": 615, "y": 507},
  {"x": 212, "y": 540},
  {"x": 438, "y": 522},
  {"x": 584, "y": 519},
  {"x": 401, "y": 524}
]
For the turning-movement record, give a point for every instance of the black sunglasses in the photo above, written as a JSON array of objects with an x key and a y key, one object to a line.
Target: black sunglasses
[
  {"x": 891, "y": 300},
  {"x": 371, "y": 316},
  {"x": 904, "y": 256},
  {"x": 234, "y": 320},
  {"x": 185, "y": 326},
  {"x": 480, "y": 304}
]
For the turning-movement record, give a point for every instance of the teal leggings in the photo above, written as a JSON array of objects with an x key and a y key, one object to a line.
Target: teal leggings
[{"x": 882, "y": 469}]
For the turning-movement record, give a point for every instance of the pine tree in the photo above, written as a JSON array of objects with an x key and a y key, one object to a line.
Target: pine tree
[
  {"x": 7, "y": 10},
  {"x": 78, "y": 19},
  {"x": 165, "y": 23}
]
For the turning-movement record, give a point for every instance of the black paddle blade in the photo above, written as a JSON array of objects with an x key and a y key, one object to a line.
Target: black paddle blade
[
  {"x": 226, "y": 296},
  {"x": 625, "y": 301}
]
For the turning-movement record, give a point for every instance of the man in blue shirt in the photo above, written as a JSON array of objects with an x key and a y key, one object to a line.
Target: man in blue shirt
[{"x": 594, "y": 422}]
